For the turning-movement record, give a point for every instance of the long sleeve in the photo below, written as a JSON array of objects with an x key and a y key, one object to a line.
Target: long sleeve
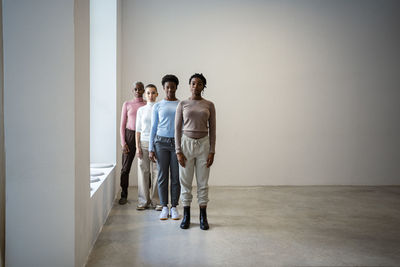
[
  {"x": 178, "y": 127},
  {"x": 139, "y": 120},
  {"x": 124, "y": 116},
  {"x": 212, "y": 128},
  {"x": 154, "y": 125}
]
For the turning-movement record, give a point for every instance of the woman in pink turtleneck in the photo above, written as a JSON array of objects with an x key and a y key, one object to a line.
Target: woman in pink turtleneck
[{"x": 127, "y": 131}]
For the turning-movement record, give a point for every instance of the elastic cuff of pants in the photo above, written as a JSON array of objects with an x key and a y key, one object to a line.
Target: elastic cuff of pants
[
  {"x": 203, "y": 203},
  {"x": 186, "y": 203}
]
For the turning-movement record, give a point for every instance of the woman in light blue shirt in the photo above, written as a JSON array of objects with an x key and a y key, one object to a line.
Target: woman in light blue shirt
[{"x": 162, "y": 147}]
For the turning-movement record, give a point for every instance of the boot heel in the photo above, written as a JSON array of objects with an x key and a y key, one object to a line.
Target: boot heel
[
  {"x": 203, "y": 219},
  {"x": 186, "y": 218}
]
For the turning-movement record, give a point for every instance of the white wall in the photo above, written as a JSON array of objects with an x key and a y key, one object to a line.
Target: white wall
[
  {"x": 91, "y": 212},
  {"x": 39, "y": 132},
  {"x": 51, "y": 220},
  {"x": 306, "y": 91},
  {"x": 119, "y": 100},
  {"x": 103, "y": 80},
  {"x": 83, "y": 202},
  {"x": 2, "y": 152}
]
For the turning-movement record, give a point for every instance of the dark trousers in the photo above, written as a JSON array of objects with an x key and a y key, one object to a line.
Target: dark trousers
[
  {"x": 167, "y": 162},
  {"x": 127, "y": 159}
]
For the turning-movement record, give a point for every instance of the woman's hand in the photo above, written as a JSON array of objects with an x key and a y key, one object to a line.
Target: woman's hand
[
  {"x": 152, "y": 156},
  {"x": 181, "y": 159},
  {"x": 210, "y": 160},
  {"x": 125, "y": 149},
  {"x": 139, "y": 152}
]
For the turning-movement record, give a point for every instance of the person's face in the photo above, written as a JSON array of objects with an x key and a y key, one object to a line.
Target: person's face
[
  {"x": 151, "y": 94},
  {"x": 196, "y": 86},
  {"x": 170, "y": 89},
  {"x": 138, "y": 90}
]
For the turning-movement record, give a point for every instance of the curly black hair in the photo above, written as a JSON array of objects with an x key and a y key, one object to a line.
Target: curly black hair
[
  {"x": 201, "y": 77},
  {"x": 170, "y": 78}
]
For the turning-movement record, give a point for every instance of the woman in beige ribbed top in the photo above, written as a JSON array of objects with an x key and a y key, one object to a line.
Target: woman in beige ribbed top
[
  {"x": 198, "y": 119},
  {"x": 195, "y": 128}
]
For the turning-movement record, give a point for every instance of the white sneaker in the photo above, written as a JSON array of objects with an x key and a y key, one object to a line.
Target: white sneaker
[
  {"x": 175, "y": 214},
  {"x": 164, "y": 213}
]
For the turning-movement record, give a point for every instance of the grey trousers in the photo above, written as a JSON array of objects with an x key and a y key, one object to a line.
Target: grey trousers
[{"x": 167, "y": 163}]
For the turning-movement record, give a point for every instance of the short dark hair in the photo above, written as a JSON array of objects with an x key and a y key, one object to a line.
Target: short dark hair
[
  {"x": 151, "y": 85},
  {"x": 201, "y": 77},
  {"x": 170, "y": 78},
  {"x": 138, "y": 82}
]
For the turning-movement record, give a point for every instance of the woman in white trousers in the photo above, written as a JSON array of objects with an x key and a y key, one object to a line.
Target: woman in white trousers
[
  {"x": 195, "y": 135},
  {"x": 147, "y": 170}
]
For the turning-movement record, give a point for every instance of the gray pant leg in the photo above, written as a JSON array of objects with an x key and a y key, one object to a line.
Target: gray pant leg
[
  {"x": 175, "y": 184},
  {"x": 163, "y": 160}
]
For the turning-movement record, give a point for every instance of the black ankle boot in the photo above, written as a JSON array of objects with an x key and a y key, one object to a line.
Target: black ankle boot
[
  {"x": 203, "y": 219},
  {"x": 124, "y": 197},
  {"x": 186, "y": 218}
]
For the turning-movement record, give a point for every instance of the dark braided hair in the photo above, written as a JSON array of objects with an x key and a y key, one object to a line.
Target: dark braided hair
[
  {"x": 201, "y": 77},
  {"x": 170, "y": 78}
]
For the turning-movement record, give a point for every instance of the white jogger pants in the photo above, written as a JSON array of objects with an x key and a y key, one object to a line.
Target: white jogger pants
[
  {"x": 147, "y": 179},
  {"x": 196, "y": 152}
]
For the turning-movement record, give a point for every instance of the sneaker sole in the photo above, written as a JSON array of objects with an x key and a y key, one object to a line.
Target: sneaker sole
[
  {"x": 163, "y": 219},
  {"x": 176, "y": 218}
]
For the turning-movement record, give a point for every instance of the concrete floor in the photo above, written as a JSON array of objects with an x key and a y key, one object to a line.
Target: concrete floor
[{"x": 261, "y": 226}]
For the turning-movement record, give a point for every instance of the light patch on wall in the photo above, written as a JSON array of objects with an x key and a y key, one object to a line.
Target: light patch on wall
[{"x": 103, "y": 75}]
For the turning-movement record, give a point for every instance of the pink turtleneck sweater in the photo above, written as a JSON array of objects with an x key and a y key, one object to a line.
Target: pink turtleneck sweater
[{"x": 128, "y": 116}]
